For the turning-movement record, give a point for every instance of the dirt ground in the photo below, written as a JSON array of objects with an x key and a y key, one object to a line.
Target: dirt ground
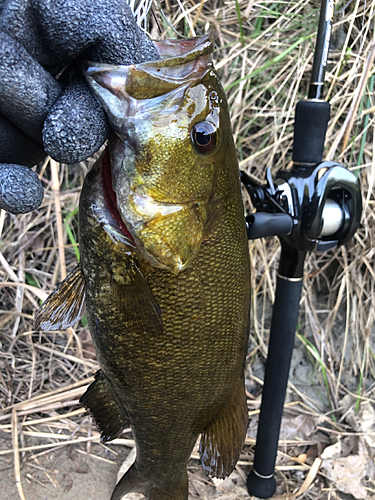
[{"x": 66, "y": 474}]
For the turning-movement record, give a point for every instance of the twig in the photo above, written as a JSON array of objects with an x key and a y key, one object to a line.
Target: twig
[
  {"x": 17, "y": 471},
  {"x": 20, "y": 291},
  {"x": 14, "y": 278},
  {"x": 60, "y": 231},
  {"x": 346, "y": 128}
]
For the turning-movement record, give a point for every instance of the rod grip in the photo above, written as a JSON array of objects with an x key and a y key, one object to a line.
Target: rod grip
[
  {"x": 310, "y": 126},
  {"x": 261, "y": 482}
]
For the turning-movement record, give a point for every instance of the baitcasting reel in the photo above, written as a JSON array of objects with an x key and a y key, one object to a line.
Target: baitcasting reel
[{"x": 315, "y": 208}]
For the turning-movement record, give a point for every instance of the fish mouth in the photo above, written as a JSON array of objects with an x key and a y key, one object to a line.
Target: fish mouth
[{"x": 110, "y": 196}]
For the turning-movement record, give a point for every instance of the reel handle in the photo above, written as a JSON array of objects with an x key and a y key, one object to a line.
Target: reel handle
[{"x": 263, "y": 224}]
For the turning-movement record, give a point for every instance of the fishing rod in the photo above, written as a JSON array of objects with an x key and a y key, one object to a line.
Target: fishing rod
[{"x": 316, "y": 205}]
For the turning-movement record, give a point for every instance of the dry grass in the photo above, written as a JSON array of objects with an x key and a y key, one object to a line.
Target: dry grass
[{"x": 264, "y": 56}]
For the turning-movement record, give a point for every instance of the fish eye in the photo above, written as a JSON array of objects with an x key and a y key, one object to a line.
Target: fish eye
[{"x": 203, "y": 135}]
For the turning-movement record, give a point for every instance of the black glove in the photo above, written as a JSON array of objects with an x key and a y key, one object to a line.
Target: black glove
[{"x": 38, "y": 114}]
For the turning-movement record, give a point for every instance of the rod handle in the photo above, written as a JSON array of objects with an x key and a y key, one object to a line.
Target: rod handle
[
  {"x": 261, "y": 482},
  {"x": 310, "y": 127}
]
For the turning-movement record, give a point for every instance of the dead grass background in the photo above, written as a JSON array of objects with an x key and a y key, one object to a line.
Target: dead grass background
[{"x": 264, "y": 58}]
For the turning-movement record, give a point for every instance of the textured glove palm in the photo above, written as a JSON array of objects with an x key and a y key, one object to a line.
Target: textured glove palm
[{"x": 38, "y": 115}]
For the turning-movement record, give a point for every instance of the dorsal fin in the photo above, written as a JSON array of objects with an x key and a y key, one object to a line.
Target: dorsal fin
[{"x": 65, "y": 306}]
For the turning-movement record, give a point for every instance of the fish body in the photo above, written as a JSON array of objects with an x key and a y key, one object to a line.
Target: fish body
[{"x": 166, "y": 271}]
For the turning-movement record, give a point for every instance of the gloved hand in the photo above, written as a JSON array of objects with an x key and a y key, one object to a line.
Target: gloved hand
[{"x": 38, "y": 114}]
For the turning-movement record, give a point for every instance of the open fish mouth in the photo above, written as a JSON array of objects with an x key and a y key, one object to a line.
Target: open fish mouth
[{"x": 110, "y": 198}]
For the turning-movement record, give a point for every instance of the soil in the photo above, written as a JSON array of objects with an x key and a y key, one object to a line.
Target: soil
[{"x": 67, "y": 475}]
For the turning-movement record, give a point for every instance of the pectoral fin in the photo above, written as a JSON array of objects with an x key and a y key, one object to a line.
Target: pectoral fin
[
  {"x": 65, "y": 306},
  {"x": 140, "y": 306},
  {"x": 101, "y": 401},
  {"x": 222, "y": 441}
]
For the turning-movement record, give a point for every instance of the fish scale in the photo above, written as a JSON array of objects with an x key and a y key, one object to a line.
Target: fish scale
[
  {"x": 189, "y": 370},
  {"x": 168, "y": 309}
]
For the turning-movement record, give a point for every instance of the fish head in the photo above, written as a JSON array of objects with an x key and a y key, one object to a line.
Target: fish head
[{"x": 169, "y": 138}]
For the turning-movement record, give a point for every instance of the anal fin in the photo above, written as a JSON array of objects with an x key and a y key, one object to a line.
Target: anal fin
[
  {"x": 222, "y": 441},
  {"x": 101, "y": 401},
  {"x": 66, "y": 304}
]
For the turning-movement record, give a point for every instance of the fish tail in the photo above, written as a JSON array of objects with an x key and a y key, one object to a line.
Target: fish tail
[
  {"x": 132, "y": 481},
  {"x": 177, "y": 492}
]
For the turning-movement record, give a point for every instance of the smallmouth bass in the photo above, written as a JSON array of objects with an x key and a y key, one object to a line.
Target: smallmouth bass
[{"x": 165, "y": 271}]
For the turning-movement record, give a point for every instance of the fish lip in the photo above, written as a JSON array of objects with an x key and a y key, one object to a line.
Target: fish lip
[{"x": 181, "y": 49}]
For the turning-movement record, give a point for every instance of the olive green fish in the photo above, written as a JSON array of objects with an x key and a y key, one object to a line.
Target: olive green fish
[{"x": 165, "y": 271}]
